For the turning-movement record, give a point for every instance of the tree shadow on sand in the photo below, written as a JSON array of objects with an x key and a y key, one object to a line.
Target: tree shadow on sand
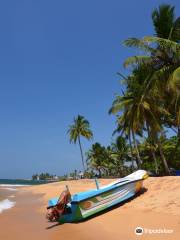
[{"x": 143, "y": 190}]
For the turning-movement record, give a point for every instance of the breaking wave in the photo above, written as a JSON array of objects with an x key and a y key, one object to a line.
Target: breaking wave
[{"x": 6, "y": 204}]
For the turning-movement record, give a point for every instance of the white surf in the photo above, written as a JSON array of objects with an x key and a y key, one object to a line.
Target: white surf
[{"x": 6, "y": 204}]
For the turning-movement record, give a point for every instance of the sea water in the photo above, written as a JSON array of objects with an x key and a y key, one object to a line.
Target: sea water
[
  {"x": 8, "y": 189},
  {"x": 6, "y": 198},
  {"x": 6, "y": 204}
]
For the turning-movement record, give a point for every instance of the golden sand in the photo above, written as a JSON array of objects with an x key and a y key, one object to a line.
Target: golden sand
[{"x": 157, "y": 208}]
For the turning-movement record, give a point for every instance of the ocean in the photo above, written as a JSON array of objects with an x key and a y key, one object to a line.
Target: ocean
[
  {"x": 8, "y": 189},
  {"x": 21, "y": 182}
]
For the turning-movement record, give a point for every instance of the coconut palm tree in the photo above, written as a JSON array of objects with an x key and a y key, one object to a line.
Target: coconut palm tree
[
  {"x": 171, "y": 30},
  {"x": 162, "y": 56},
  {"x": 127, "y": 122},
  {"x": 119, "y": 154},
  {"x": 165, "y": 23},
  {"x": 97, "y": 158},
  {"x": 155, "y": 75},
  {"x": 140, "y": 109},
  {"x": 80, "y": 128}
]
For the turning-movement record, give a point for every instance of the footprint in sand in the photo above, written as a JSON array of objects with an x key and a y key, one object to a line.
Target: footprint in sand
[
  {"x": 157, "y": 187},
  {"x": 169, "y": 204},
  {"x": 151, "y": 196}
]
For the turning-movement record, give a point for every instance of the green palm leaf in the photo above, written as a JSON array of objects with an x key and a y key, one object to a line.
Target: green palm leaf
[
  {"x": 163, "y": 43},
  {"x": 175, "y": 80},
  {"x": 140, "y": 44},
  {"x": 138, "y": 60}
]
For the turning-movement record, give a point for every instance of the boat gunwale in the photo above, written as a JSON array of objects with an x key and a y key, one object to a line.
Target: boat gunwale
[{"x": 98, "y": 194}]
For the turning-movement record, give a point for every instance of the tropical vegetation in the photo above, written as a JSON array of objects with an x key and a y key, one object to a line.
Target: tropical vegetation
[
  {"x": 148, "y": 109},
  {"x": 43, "y": 176},
  {"x": 80, "y": 128}
]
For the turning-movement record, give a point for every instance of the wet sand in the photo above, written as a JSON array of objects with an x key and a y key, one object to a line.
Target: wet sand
[
  {"x": 23, "y": 221},
  {"x": 156, "y": 208}
]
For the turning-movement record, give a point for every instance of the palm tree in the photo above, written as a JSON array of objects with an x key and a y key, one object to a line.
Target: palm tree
[
  {"x": 126, "y": 122},
  {"x": 155, "y": 76},
  {"x": 97, "y": 158},
  {"x": 165, "y": 24},
  {"x": 162, "y": 56},
  {"x": 152, "y": 146},
  {"x": 80, "y": 127},
  {"x": 123, "y": 129},
  {"x": 140, "y": 109},
  {"x": 119, "y": 154}
]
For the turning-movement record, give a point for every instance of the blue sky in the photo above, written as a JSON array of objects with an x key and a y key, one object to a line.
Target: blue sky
[{"x": 59, "y": 59}]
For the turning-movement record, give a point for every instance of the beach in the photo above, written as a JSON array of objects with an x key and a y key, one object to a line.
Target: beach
[{"x": 156, "y": 209}]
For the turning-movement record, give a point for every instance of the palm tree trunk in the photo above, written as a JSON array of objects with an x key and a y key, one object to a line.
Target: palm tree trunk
[
  {"x": 163, "y": 157},
  {"x": 152, "y": 150},
  {"x": 130, "y": 144},
  {"x": 137, "y": 150},
  {"x": 155, "y": 160},
  {"x": 82, "y": 157},
  {"x": 178, "y": 135},
  {"x": 177, "y": 144},
  {"x": 99, "y": 170}
]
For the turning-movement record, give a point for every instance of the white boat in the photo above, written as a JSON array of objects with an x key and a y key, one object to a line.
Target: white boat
[{"x": 88, "y": 203}]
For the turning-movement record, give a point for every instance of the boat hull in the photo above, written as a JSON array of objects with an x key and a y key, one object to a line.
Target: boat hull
[
  {"x": 93, "y": 205},
  {"x": 86, "y": 204},
  {"x": 108, "y": 199}
]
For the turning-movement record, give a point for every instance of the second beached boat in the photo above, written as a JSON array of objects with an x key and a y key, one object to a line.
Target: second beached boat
[{"x": 75, "y": 208}]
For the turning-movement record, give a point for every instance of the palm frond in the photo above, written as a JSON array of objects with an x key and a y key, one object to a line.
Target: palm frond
[
  {"x": 140, "y": 44},
  {"x": 175, "y": 31},
  {"x": 137, "y": 60},
  {"x": 163, "y": 43},
  {"x": 175, "y": 80},
  {"x": 163, "y": 19}
]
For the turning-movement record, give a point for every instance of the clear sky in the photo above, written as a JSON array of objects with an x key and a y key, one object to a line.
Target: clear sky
[{"x": 58, "y": 59}]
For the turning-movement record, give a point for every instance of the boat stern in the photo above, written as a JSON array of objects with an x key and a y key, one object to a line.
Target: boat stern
[{"x": 138, "y": 175}]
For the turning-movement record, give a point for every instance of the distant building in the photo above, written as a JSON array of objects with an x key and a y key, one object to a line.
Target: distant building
[
  {"x": 81, "y": 174},
  {"x": 70, "y": 178},
  {"x": 55, "y": 177}
]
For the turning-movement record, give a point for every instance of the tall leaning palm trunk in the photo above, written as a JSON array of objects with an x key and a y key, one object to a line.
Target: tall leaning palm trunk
[
  {"x": 160, "y": 148},
  {"x": 163, "y": 157},
  {"x": 155, "y": 160},
  {"x": 154, "y": 135},
  {"x": 80, "y": 127},
  {"x": 130, "y": 145},
  {"x": 82, "y": 156},
  {"x": 138, "y": 162},
  {"x": 178, "y": 134},
  {"x": 152, "y": 148}
]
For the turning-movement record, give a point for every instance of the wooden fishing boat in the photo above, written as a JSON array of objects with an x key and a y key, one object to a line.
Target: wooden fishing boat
[{"x": 84, "y": 204}]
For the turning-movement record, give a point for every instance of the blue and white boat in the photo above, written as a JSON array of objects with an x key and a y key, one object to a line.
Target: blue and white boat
[{"x": 88, "y": 203}]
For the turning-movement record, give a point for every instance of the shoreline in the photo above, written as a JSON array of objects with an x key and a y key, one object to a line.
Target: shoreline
[
  {"x": 7, "y": 196},
  {"x": 27, "y": 219},
  {"x": 23, "y": 220}
]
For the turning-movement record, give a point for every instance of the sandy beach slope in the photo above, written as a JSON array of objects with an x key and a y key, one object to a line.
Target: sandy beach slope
[{"x": 157, "y": 208}]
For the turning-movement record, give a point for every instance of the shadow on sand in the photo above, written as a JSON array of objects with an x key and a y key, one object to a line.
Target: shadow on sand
[{"x": 143, "y": 190}]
